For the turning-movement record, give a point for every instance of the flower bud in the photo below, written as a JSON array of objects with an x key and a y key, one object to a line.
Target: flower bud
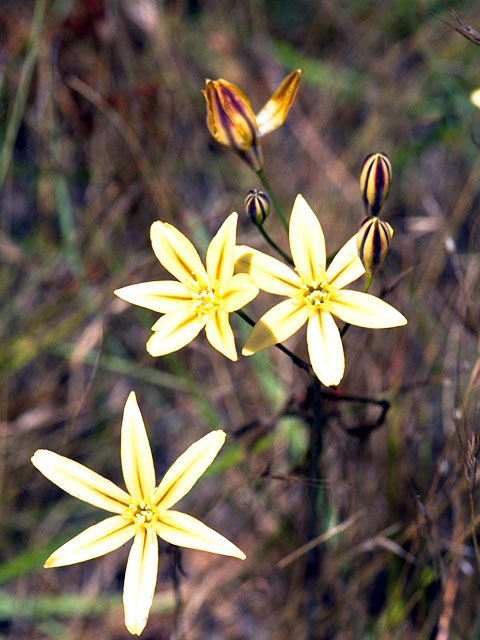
[
  {"x": 375, "y": 181},
  {"x": 257, "y": 206},
  {"x": 373, "y": 241},
  {"x": 231, "y": 121}
]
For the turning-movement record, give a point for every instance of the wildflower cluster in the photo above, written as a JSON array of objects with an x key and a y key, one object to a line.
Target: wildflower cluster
[{"x": 202, "y": 296}]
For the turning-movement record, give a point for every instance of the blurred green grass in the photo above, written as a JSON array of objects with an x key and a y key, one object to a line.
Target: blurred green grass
[{"x": 102, "y": 126}]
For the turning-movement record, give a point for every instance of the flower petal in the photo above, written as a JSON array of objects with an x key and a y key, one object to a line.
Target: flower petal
[
  {"x": 220, "y": 335},
  {"x": 274, "y": 112},
  {"x": 364, "y": 310},
  {"x": 325, "y": 348},
  {"x": 240, "y": 291},
  {"x": 176, "y": 253},
  {"x": 220, "y": 257},
  {"x": 187, "y": 469},
  {"x": 173, "y": 331},
  {"x": 81, "y": 482},
  {"x": 137, "y": 461},
  {"x": 346, "y": 265},
  {"x": 278, "y": 324},
  {"x": 307, "y": 242},
  {"x": 269, "y": 274},
  {"x": 101, "y": 538},
  {"x": 140, "y": 580},
  {"x": 163, "y": 296},
  {"x": 185, "y": 531}
]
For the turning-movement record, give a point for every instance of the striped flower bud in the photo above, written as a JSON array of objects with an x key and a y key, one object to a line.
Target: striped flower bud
[
  {"x": 375, "y": 181},
  {"x": 231, "y": 121},
  {"x": 373, "y": 241},
  {"x": 257, "y": 206}
]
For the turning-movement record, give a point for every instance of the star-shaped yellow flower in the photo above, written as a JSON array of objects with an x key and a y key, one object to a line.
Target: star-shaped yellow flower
[
  {"x": 201, "y": 297},
  {"x": 315, "y": 294},
  {"x": 143, "y": 513},
  {"x": 232, "y": 122}
]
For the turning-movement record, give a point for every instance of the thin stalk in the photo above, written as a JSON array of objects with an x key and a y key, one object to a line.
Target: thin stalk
[
  {"x": 271, "y": 195},
  {"x": 295, "y": 359},
  {"x": 274, "y": 245},
  {"x": 312, "y": 568},
  {"x": 23, "y": 87}
]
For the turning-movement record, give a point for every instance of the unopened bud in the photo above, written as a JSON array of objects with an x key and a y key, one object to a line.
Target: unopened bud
[
  {"x": 231, "y": 121},
  {"x": 257, "y": 206},
  {"x": 373, "y": 241},
  {"x": 375, "y": 181}
]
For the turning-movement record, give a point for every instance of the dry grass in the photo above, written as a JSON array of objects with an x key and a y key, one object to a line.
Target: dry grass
[{"x": 111, "y": 136}]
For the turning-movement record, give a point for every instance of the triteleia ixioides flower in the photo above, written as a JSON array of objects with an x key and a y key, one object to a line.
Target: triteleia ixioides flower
[
  {"x": 201, "y": 298},
  {"x": 375, "y": 181},
  {"x": 314, "y": 294},
  {"x": 233, "y": 123},
  {"x": 143, "y": 512},
  {"x": 373, "y": 242}
]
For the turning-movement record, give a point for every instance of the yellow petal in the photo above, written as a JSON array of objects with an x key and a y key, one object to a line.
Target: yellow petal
[
  {"x": 307, "y": 242},
  {"x": 240, "y": 291},
  {"x": 176, "y": 253},
  {"x": 221, "y": 251},
  {"x": 220, "y": 335},
  {"x": 278, "y": 324},
  {"x": 346, "y": 266},
  {"x": 137, "y": 461},
  {"x": 185, "y": 531},
  {"x": 81, "y": 482},
  {"x": 364, "y": 310},
  {"x": 325, "y": 348},
  {"x": 269, "y": 274},
  {"x": 475, "y": 98},
  {"x": 230, "y": 118},
  {"x": 140, "y": 580},
  {"x": 274, "y": 112},
  {"x": 95, "y": 541},
  {"x": 187, "y": 469},
  {"x": 173, "y": 331},
  {"x": 167, "y": 296}
]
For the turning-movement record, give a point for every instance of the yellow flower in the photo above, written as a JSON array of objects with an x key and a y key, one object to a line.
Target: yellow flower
[
  {"x": 143, "y": 513},
  {"x": 475, "y": 98},
  {"x": 201, "y": 297},
  {"x": 314, "y": 293},
  {"x": 232, "y": 122}
]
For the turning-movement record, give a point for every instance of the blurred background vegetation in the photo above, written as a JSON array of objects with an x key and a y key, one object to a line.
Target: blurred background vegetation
[{"x": 102, "y": 131}]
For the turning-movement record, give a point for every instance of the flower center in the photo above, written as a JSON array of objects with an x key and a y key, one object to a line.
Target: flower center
[
  {"x": 142, "y": 514},
  {"x": 316, "y": 295},
  {"x": 206, "y": 298}
]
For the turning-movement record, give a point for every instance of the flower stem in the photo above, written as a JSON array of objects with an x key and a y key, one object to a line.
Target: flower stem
[
  {"x": 274, "y": 245},
  {"x": 271, "y": 195},
  {"x": 312, "y": 568},
  {"x": 295, "y": 359}
]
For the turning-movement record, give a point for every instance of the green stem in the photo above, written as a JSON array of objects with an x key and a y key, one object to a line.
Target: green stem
[
  {"x": 271, "y": 195},
  {"x": 22, "y": 91},
  {"x": 295, "y": 359},
  {"x": 274, "y": 245},
  {"x": 368, "y": 282}
]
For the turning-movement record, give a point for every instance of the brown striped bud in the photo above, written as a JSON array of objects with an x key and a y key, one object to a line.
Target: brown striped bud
[
  {"x": 257, "y": 206},
  {"x": 231, "y": 121},
  {"x": 375, "y": 181},
  {"x": 373, "y": 241}
]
